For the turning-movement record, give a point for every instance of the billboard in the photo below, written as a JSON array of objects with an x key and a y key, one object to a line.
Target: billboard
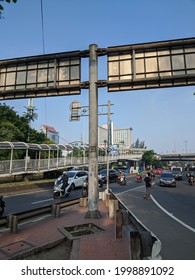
[
  {"x": 40, "y": 76},
  {"x": 151, "y": 65}
]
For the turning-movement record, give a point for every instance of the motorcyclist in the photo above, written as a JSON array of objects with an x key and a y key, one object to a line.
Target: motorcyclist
[
  {"x": 2, "y": 205},
  {"x": 191, "y": 178},
  {"x": 139, "y": 175},
  {"x": 65, "y": 180},
  {"x": 85, "y": 187},
  {"x": 123, "y": 177}
]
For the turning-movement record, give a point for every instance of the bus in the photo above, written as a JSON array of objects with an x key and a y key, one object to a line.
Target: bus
[{"x": 129, "y": 165}]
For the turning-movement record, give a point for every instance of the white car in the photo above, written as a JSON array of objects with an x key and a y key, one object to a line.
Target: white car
[{"x": 76, "y": 178}]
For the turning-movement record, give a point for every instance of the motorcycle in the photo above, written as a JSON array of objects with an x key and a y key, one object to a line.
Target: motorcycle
[
  {"x": 122, "y": 180},
  {"x": 59, "y": 190},
  {"x": 139, "y": 178},
  {"x": 2, "y": 205},
  {"x": 191, "y": 180},
  {"x": 85, "y": 186}
]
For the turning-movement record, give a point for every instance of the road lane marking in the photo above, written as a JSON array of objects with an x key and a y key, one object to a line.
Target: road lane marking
[
  {"x": 134, "y": 189},
  {"x": 40, "y": 201},
  {"x": 172, "y": 216},
  {"x": 24, "y": 193},
  {"x": 163, "y": 209}
]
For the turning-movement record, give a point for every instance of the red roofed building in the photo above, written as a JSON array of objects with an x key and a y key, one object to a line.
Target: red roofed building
[{"x": 50, "y": 133}]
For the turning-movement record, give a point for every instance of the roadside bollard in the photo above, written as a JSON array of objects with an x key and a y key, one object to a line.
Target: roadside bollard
[
  {"x": 13, "y": 223},
  {"x": 56, "y": 210},
  {"x": 107, "y": 199},
  {"x": 112, "y": 206},
  {"x": 118, "y": 224},
  {"x": 135, "y": 245},
  {"x": 83, "y": 202}
]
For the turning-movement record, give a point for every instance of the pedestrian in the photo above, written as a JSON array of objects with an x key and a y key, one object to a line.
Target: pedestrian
[{"x": 148, "y": 184}]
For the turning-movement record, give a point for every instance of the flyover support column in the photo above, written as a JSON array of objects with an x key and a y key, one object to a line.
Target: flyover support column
[{"x": 93, "y": 195}]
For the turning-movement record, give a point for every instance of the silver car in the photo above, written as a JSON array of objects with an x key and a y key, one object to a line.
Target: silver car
[{"x": 167, "y": 180}]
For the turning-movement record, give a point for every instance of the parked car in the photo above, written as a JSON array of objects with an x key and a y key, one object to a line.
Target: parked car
[
  {"x": 113, "y": 175},
  {"x": 167, "y": 180},
  {"x": 177, "y": 173},
  {"x": 76, "y": 178}
]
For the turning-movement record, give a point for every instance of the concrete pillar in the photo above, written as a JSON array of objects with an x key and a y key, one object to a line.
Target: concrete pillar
[
  {"x": 93, "y": 196},
  {"x": 119, "y": 223},
  {"x": 112, "y": 206},
  {"x": 135, "y": 245}
]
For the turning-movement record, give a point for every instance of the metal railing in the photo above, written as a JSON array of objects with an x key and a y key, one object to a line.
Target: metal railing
[
  {"x": 13, "y": 220},
  {"x": 23, "y": 166},
  {"x": 143, "y": 243}
]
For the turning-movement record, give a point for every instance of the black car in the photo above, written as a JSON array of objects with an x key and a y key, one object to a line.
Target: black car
[
  {"x": 167, "y": 180},
  {"x": 112, "y": 175}
]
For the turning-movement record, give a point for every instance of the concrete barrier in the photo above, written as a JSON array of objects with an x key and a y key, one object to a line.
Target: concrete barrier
[{"x": 143, "y": 243}]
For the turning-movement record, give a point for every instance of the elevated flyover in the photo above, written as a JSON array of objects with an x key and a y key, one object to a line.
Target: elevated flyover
[{"x": 177, "y": 157}]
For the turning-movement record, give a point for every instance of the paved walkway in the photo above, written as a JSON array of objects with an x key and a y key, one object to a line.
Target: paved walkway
[{"x": 100, "y": 245}]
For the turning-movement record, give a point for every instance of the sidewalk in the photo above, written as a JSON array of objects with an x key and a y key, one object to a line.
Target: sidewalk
[{"x": 101, "y": 245}]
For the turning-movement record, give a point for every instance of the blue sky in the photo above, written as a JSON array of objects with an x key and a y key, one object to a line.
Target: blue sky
[{"x": 162, "y": 118}]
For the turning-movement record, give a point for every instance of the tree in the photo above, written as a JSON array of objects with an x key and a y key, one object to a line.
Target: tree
[
  {"x": 14, "y": 128},
  {"x": 1, "y": 7},
  {"x": 138, "y": 144},
  {"x": 30, "y": 115},
  {"x": 149, "y": 157}
]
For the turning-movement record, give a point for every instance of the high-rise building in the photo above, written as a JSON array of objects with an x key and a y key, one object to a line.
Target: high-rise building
[
  {"x": 117, "y": 136},
  {"x": 123, "y": 137},
  {"x": 102, "y": 136}
]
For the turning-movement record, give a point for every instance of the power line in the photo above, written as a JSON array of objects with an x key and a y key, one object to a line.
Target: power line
[
  {"x": 42, "y": 27},
  {"x": 43, "y": 45}
]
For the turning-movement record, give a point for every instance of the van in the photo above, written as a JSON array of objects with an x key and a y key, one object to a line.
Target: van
[
  {"x": 177, "y": 172},
  {"x": 176, "y": 168}
]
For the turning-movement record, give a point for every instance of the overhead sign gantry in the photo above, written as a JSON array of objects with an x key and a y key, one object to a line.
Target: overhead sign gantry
[
  {"x": 131, "y": 67},
  {"x": 141, "y": 66},
  {"x": 40, "y": 76},
  {"x": 151, "y": 65}
]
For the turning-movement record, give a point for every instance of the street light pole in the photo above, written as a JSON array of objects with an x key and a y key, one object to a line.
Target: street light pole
[
  {"x": 93, "y": 195},
  {"x": 108, "y": 147}
]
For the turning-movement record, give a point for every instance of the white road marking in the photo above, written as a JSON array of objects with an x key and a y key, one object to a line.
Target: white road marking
[
  {"x": 134, "y": 189},
  {"x": 40, "y": 201},
  {"x": 172, "y": 216},
  {"x": 24, "y": 193},
  {"x": 163, "y": 209}
]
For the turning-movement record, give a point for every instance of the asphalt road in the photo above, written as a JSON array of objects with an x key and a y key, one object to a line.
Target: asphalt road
[
  {"x": 34, "y": 199},
  {"x": 170, "y": 214}
]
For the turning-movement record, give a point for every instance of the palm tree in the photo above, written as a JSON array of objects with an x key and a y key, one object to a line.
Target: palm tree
[{"x": 30, "y": 115}]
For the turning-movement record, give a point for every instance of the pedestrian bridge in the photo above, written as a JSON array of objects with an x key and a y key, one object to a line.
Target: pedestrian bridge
[{"x": 49, "y": 157}]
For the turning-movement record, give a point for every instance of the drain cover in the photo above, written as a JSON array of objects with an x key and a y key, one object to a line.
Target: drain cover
[
  {"x": 80, "y": 230},
  {"x": 16, "y": 247}
]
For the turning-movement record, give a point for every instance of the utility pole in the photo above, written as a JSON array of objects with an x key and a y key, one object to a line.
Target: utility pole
[
  {"x": 93, "y": 194},
  {"x": 108, "y": 148},
  {"x": 186, "y": 146}
]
